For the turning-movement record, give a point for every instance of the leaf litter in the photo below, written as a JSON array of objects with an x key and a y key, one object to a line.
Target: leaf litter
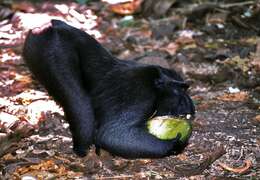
[{"x": 213, "y": 54}]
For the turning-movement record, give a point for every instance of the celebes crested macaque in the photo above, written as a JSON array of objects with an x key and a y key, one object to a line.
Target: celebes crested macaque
[{"x": 106, "y": 101}]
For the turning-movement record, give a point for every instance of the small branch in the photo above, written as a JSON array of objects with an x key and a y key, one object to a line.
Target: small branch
[
  {"x": 115, "y": 177},
  {"x": 210, "y": 6},
  {"x": 247, "y": 165},
  {"x": 211, "y": 158},
  {"x": 226, "y": 6},
  {"x": 195, "y": 169}
]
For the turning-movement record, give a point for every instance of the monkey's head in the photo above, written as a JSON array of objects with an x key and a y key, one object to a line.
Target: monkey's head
[{"x": 173, "y": 96}]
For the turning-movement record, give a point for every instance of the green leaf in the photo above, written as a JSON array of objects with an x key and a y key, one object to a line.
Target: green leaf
[{"x": 82, "y": 1}]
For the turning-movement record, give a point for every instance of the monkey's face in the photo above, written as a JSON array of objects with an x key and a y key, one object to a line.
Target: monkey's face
[{"x": 173, "y": 98}]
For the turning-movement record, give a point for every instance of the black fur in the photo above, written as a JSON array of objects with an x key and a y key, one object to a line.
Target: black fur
[{"x": 106, "y": 100}]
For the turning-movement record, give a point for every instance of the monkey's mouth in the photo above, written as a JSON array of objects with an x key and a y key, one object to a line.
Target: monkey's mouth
[{"x": 188, "y": 117}]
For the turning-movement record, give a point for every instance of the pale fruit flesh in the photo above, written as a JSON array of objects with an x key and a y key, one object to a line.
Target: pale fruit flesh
[{"x": 168, "y": 127}]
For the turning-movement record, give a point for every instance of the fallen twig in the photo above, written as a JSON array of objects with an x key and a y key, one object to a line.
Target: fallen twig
[
  {"x": 210, "y": 6},
  {"x": 237, "y": 4},
  {"x": 115, "y": 177},
  {"x": 247, "y": 165},
  {"x": 195, "y": 169}
]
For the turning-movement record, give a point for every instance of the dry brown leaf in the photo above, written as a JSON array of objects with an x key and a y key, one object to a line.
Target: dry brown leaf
[
  {"x": 11, "y": 142},
  {"x": 256, "y": 63},
  {"x": 49, "y": 166},
  {"x": 140, "y": 175},
  {"x": 171, "y": 48},
  {"x": 182, "y": 157},
  {"x": 258, "y": 141},
  {"x": 6, "y": 75},
  {"x": 20, "y": 84},
  {"x": 44, "y": 166},
  {"x": 23, "y": 6},
  {"x": 23, "y": 101},
  {"x": 217, "y": 18},
  {"x": 256, "y": 57},
  {"x": 257, "y": 118},
  {"x": 247, "y": 165},
  {"x": 9, "y": 157},
  {"x": 126, "y": 8},
  {"x": 144, "y": 32},
  {"x": 234, "y": 97},
  {"x": 197, "y": 98},
  {"x": 203, "y": 106},
  {"x": 64, "y": 160},
  {"x": 114, "y": 177},
  {"x": 184, "y": 40},
  {"x": 144, "y": 161},
  {"x": 119, "y": 164},
  {"x": 258, "y": 47}
]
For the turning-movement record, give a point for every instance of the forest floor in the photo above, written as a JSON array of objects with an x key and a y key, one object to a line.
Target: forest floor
[{"x": 217, "y": 52}]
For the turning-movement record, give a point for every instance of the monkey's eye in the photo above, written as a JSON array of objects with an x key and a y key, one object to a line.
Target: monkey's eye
[
  {"x": 185, "y": 87},
  {"x": 180, "y": 84}
]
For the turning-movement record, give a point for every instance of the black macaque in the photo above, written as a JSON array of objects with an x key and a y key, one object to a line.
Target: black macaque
[{"x": 106, "y": 101}]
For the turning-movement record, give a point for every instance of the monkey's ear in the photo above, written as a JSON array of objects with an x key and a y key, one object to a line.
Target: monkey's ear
[
  {"x": 163, "y": 81},
  {"x": 181, "y": 84}
]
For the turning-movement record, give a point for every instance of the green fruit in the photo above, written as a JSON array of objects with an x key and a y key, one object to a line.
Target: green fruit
[{"x": 167, "y": 128}]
